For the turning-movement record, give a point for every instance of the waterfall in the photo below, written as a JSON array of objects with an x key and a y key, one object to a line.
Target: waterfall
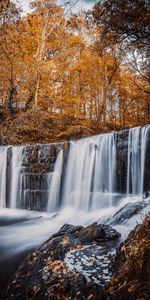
[
  {"x": 54, "y": 194},
  {"x": 3, "y": 169},
  {"x": 137, "y": 143},
  {"x": 38, "y": 179},
  {"x": 105, "y": 167},
  {"x": 90, "y": 169},
  {"x": 16, "y": 164}
]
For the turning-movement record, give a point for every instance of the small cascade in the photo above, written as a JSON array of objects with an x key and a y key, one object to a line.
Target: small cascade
[
  {"x": 90, "y": 169},
  {"x": 54, "y": 194},
  {"x": 137, "y": 143},
  {"x": 3, "y": 170},
  {"x": 105, "y": 167},
  {"x": 16, "y": 164}
]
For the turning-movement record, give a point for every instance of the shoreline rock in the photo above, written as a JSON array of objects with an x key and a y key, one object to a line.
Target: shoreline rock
[
  {"x": 131, "y": 280},
  {"x": 86, "y": 263},
  {"x": 75, "y": 263}
]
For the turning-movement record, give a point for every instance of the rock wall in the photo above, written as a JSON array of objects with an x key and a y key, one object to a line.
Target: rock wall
[
  {"x": 122, "y": 162},
  {"x": 38, "y": 163}
]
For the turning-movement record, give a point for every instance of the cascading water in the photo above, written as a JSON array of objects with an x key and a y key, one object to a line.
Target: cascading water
[
  {"x": 137, "y": 143},
  {"x": 88, "y": 180},
  {"x": 16, "y": 164},
  {"x": 3, "y": 169},
  {"x": 38, "y": 179},
  {"x": 90, "y": 169},
  {"x": 104, "y": 179},
  {"x": 54, "y": 194}
]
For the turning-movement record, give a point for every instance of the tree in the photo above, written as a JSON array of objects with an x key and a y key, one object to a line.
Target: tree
[
  {"x": 79, "y": 66},
  {"x": 50, "y": 20},
  {"x": 9, "y": 13},
  {"x": 130, "y": 19},
  {"x": 9, "y": 50},
  {"x": 125, "y": 26}
]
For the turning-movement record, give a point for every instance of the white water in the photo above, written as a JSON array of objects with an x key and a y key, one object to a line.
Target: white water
[
  {"x": 89, "y": 180},
  {"x": 54, "y": 194},
  {"x": 89, "y": 191},
  {"x": 31, "y": 228},
  {"x": 90, "y": 169},
  {"x": 16, "y": 164},
  {"x": 137, "y": 142},
  {"x": 3, "y": 169}
]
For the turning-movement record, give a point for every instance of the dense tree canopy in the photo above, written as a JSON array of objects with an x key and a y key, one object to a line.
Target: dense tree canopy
[
  {"x": 130, "y": 19},
  {"x": 93, "y": 66}
]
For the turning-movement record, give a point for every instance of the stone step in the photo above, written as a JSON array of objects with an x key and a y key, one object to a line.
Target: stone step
[
  {"x": 34, "y": 181},
  {"x": 34, "y": 200}
]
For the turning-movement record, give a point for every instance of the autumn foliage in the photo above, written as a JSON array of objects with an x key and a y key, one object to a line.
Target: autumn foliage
[{"x": 76, "y": 66}]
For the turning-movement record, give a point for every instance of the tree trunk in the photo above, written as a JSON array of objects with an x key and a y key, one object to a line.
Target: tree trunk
[{"x": 37, "y": 91}]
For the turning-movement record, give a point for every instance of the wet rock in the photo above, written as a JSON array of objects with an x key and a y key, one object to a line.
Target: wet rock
[
  {"x": 146, "y": 195},
  {"x": 126, "y": 212},
  {"x": 67, "y": 228},
  {"x": 96, "y": 233},
  {"x": 75, "y": 263}
]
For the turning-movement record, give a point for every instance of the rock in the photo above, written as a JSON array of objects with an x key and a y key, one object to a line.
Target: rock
[
  {"x": 75, "y": 263},
  {"x": 126, "y": 212},
  {"x": 67, "y": 228},
  {"x": 146, "y": 195},
  {"x": 132, "y": 266},
  {"x": 96, "y": 233}
]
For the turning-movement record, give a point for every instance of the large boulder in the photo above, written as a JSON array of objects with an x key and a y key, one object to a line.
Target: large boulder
[{"x": 75, "y": 263}]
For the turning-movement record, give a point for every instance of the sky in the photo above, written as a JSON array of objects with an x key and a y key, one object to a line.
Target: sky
[{"x": 84, "y": 4}]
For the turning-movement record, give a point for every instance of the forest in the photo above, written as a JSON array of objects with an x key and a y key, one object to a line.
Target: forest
[
  {"x": 87, "y": 72},
  {"x": 75, "y": 150}
]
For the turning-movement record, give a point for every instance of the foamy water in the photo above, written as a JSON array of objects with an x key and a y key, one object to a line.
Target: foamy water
[{"x": 31, "y": 229}]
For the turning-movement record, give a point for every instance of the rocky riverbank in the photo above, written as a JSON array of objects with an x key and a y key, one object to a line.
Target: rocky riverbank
[
  {"x": 132, "y": 266},
  {"x": 75, "y": 263},
  {"x": 81, "y": 263}
]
